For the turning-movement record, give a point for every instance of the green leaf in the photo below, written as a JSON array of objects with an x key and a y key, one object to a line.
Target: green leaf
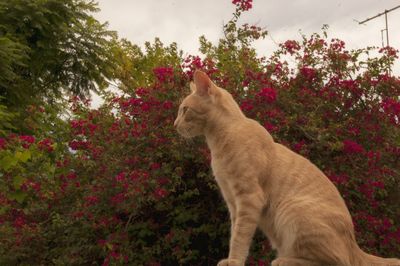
[
  {"x": 3, "y": 210},
  {"x": 18, "y": 195},
  {"x": 23, "y": 156},
  {"x": 18, "y": 181},
  {"x": 8, "y": 162},
  {"x": 109, "y": 246}
]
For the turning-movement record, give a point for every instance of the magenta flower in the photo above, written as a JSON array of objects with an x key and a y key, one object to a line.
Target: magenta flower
[
  {"x": 163, "y": 73},
  {"x": 160, "y": 193},
  {"x": 243, "y": 4},
  {"x": 291, "y": 46},
  {"x": 27, "y": 141},
  {"x": 2, "y": 143},
  {"x": 46, "y": 145},
  {"x": 308, "y": 73},
  {"x": 246, "y": 106},
  {"x": 267, "y": 94},
  {"x": 352, "y": 147},
  {"x": 167, "y": 105}
]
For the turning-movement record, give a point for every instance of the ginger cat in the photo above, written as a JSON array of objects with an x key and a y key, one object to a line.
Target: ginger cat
[{"x": 266, "y": 185}]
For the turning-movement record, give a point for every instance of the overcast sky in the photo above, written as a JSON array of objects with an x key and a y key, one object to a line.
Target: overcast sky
[{"x": 184, "y": 21}]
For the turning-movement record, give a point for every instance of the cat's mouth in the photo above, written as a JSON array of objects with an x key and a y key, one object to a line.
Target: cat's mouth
[{"x": 185, "y": 132}]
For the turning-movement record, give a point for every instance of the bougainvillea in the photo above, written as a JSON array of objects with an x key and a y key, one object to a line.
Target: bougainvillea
[{"x": 120, "y": 187}]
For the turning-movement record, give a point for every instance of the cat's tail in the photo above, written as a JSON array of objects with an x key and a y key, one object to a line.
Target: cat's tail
[{"x": 371, "y": 260}]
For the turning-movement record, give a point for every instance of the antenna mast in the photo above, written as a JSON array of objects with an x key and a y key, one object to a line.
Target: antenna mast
[{"x": 386, "y": 22}]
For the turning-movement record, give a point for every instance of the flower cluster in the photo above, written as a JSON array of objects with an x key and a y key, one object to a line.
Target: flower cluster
[
  {"x": 243, "y": 4},
  {"x": 291, "y": 46},
  {"x": 352, "y": 147},
  {"x": 267, "y": 94},
  {"x": 163, "y": 74}
]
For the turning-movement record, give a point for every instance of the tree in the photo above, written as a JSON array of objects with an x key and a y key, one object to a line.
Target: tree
[{"x": 51, "y": 47}]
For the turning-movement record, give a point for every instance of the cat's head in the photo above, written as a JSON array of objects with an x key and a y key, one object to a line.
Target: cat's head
[{"x": 205, "y": 107}]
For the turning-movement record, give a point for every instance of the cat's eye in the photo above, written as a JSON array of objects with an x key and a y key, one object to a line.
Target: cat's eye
[{"x": 184, "y": 109}]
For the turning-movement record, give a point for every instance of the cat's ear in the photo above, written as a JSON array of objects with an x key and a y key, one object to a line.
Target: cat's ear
[
  {"x": 192, "y": 87},
  {"x": 204, "y": 85}
]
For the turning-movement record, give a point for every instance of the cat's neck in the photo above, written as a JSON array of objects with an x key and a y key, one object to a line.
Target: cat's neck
[{"x": 222, "y": 129}]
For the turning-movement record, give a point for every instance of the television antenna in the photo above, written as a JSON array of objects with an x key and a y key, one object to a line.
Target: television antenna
[{"x": 386, "y": 29}]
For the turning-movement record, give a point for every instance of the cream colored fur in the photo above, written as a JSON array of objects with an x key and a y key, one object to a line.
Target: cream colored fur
[{"x": 268, "y": 186}]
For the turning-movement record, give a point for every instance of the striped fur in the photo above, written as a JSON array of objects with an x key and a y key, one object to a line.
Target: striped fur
[{"x": 266, "y": 185}]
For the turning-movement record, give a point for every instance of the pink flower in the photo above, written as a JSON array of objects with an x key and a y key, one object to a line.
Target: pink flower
[
  {"x": 28, "y": 140},
  {"x": 339, "y": 179},
  {"x": 141, "y": 91},
  {"x": 389, "y": 51},
  {"x": 117, "y": 199},
  {"x": 246, "y": 106},
  {"x": 270, "y": 127},
  {"x": 120, "y": 177},
  {"x": 308, "y": 73},
  {"x": 155, "y": 166},
  {"x": 35, "y": 186},
  {"x": 386, "y": 224},
  {"x": 78, "y": 145},
  {"x": 291, "y": 46},
  {"x": 115, "y": 254},
  {"x": 163, "y": 73},
  {"x": 299, "y": 145},
  {"x": 2, "y": 143},
  {"x": 91, "y": 200},
  {"x": 167, "y": 105},
  {"x": 145, "y": 107},
  {"x": 160, "y": 193},
  {"x": 267, "y": 94},
  {"x": 46, "y": 145},
  {"x": 352, "y": 147},
  {"x": 392, "y": 109},
  {"x": 72, "y": 176},
  {"x": 134, "y": 176},
  {"x": 243, "y": 4},
  {"x": 262, "y": 263},
  {"x": 19, "y": 222},
  {"x": 378, "y": 184}
]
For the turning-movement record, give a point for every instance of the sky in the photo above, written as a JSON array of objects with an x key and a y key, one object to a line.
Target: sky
[{"x": 184, "y": 21}]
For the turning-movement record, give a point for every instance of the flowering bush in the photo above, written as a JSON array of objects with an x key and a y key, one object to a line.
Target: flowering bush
[{"x": 118, "y": 186}]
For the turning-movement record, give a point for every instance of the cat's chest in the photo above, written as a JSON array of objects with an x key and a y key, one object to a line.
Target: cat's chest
[
  {"x": 221, "y": 177},
  {"x": 222, "y": 170}
]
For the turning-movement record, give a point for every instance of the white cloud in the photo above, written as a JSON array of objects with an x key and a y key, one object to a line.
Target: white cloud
[{"x": 184, "y": 21}]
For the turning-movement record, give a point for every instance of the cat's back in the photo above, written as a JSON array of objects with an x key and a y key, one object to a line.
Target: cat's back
[
  {"x": 251, "y": 133},
  {"x": 296, "y": 175}
]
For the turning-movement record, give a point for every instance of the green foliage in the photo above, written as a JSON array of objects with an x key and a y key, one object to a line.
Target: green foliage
[
  {"x": 49, "y": 48},
  {"x": 118, "y": 186},
  {"x": 12, "y": 55},
  {"x": 6, "y": 118},
  {"x": 135, "y": 67}
]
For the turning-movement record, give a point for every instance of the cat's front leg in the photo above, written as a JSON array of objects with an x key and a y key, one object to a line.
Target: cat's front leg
[
  {"x": 248, "y": 211},
  {"x": 230, "y": 262},
  {"x": 232, "y": 213}
]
